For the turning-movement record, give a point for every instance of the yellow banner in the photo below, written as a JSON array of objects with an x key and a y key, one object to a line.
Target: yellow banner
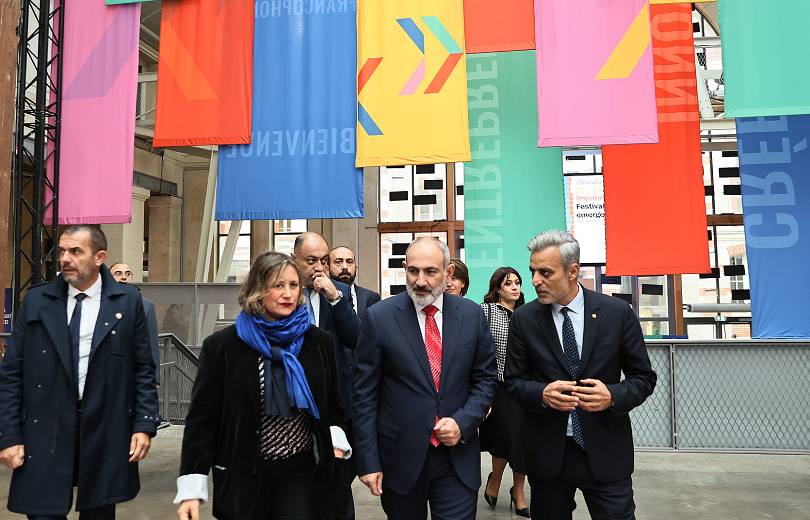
[{"x": 411, "y": 83}]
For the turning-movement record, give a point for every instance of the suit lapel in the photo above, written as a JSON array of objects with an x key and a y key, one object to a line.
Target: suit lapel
[
  {"x": 590, "y": 327},
  {"x": 550, "y": 331},
  {"x": 110, "y": 311},
  {"x": 451, "y": 327},
  {"x": 54, "y": 317},
  {"x": 409, "y": 325}
]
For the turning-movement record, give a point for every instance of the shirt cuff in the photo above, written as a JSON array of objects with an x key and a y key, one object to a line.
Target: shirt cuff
[
  {"x": 191, "y": 487},
  {"x": 336, "y": 300},
  {"x": 340, "y": 441}
]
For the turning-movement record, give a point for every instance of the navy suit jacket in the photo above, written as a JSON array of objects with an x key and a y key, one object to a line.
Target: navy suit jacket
[
  {"x": 396, "y": 401},
  {"x": 365, "y": 299},
  {"x": 343, "y": 323},
  {"x": 612, "y": 345}
]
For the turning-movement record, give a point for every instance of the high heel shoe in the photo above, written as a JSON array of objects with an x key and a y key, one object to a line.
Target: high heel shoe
[
  {"x": 524, "y": 512},
  {"x": 490, "y": 499}
]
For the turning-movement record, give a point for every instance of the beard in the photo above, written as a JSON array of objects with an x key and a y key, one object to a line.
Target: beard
[
  {"x": 420, "y": 300},
  {"x": 346, "y": 277}
]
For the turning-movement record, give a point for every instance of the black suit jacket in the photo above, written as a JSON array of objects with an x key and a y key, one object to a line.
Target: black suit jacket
[
  {"x": 612, "y": 344},
  {"x": 396, "y": 401},
  {"x": 365, "y": 299},
  {"x": 38, "y": 400},
  {"x": 224, "y": 417},
  {"x": 343, "y": 323}
]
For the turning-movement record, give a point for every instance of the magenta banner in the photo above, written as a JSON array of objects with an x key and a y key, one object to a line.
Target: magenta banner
[
  {"x": 99, "y": 90},
  {"x": 594, "y": 73}
]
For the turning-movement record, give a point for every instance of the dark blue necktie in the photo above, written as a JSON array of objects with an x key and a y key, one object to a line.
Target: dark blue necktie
[
  {"x": 572, "y": 357},
  {"x": 75, "y": 337}
]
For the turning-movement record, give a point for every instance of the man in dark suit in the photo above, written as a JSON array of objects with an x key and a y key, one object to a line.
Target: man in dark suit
[
  {"x": 567, "y": 351},
  {"x": 330, "y": 306},
  {"x": 77, "y": 389},
  {"x": 343, "y": 268},
  {"x": 424, "y": 380}
]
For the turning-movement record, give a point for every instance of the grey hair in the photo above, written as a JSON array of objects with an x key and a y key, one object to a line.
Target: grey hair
[
  {"x": 438, "y": 243},
  {"x": 568, "y": 245}
]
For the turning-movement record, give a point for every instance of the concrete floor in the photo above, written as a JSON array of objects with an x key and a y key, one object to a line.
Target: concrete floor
[{"x": 667, "y": 485}]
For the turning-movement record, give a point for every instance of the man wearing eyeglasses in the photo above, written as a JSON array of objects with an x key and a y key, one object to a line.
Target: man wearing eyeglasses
[
  {"x": 331, "y": 308},
  {"x": 122, "y": 273}
]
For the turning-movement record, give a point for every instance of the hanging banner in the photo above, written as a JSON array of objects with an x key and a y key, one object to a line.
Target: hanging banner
[
  {"x": 411, "y": 83},
  {"x": 498, "y": 26},
  {"x": 775, "y": 178},
  {"x": 594, "y": 70},
  {"x": 204, "y": 91},
  {"x": 766, "y": 66},
  {"x": 99, "y": 91},
  {"x": 512, "y": 189},
  {"x": 656, "y": 187},
  {"x": 300, "y": 163},
  {"x": 118, "y": 2}
]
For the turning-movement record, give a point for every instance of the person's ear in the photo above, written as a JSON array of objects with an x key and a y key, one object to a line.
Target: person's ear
[
  {"x": 451, "y": 270},
  {"x": 101, "y": 256}
]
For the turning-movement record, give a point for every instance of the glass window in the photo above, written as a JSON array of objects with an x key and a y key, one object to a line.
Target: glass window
[
  {"x": 284, "y": 233},
  {"x": 392, "y": 254},
  {"x": 240, "y": 265},
  {"x": 430, "y": 193},
  {"x": 396, "y": 193},
  {"x": 459, "y": 169}
]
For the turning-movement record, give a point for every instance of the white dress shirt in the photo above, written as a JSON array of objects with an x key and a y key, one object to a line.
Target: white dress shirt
[
  {"x": 90, "y": 308},
  {"x": 354, "y": 297},
  {"x": 315, "y": 301},
  {"x": 422, "y": 317},
  {"x": 577, "y": 315}
]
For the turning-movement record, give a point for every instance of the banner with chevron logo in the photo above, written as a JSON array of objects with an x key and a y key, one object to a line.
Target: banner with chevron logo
[
  {"x": 411, "y": 83},
  {"x": 204, "y": 92},
  {"x": 594, "y": 73}
]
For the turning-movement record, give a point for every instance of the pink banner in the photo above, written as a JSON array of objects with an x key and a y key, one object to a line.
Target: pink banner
[
  {"x": 594, "y": 73},
  {"x": 99, "y": 90}
]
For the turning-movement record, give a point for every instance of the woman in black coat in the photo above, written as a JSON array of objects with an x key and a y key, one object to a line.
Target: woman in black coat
[{"x": 264, "y": 412}]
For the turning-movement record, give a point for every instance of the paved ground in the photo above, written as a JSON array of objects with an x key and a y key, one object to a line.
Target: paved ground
[{"x": 668, "y": 485}]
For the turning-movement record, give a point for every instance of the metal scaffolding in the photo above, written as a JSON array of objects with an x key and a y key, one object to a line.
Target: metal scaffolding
[{"x": 36, "y": 147}]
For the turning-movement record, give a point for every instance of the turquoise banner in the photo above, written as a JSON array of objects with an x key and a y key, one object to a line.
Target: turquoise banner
[
  {"x": 512, "y": 189},
  {"x": 766, "y": 66}
]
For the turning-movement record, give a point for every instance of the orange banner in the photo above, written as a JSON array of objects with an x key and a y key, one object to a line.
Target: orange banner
[
  {"x": 655, "y": 209},
  {"x": 498, "y": 26},
  {"x": 205, "y": 73}
]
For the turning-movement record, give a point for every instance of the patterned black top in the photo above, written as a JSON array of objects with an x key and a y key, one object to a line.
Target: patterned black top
[
  {"x": 282, "y": 437},
  {"x": 498, "y": 318}
]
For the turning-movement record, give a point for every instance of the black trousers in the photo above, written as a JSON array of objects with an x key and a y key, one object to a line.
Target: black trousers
[
  {"x": 437, "y": 485},
  {"x": 553, "y": 499},
  {"x": 286, "y": 489},
  {"x": 99, "y": 513}
]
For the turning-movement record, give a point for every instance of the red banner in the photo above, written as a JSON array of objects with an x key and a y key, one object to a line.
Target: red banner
[
  {"x": 498, "y": 26},
  {"x": 205, "y": 73},
  {"x": 655, "y": 209}
]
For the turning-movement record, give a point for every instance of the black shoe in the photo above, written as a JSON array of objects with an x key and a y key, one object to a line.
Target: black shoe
[
  {"x": 490, "y": 500},
  {"x": 524, "y": 512}
]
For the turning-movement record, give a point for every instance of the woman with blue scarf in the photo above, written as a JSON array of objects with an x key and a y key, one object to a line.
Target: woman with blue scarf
[{"x": 264, "y": 413}]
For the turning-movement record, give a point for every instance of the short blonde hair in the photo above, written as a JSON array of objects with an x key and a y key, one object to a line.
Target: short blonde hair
[{"x": 264, "y": 272}]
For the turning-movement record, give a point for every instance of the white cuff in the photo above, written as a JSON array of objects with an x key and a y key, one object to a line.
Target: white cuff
[
  {"x": 336, "y": 300},
  {"x": 191, "y": 487},
  {"x": 340, "y": 441}
]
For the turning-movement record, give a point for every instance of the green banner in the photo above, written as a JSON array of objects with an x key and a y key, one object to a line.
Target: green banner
[
  {"x": 512, "y": 189},
  {"x": 766, "y": 64}
]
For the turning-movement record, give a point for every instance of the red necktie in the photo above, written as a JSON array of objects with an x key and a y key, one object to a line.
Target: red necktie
[{"x": 433, "y": 345}]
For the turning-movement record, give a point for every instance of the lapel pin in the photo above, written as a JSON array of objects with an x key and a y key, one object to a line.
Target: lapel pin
[
  {"x": 118, "y": 315},
  {"x": 593, "y": 315}
]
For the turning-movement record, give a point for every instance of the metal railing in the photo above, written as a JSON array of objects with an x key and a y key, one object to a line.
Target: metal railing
[
  {"x": 747, "y": 395},
  {"x": 178, "y": 369}
]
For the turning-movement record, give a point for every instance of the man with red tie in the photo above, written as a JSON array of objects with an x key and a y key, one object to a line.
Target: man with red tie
[{"x": 425, "y": 377}]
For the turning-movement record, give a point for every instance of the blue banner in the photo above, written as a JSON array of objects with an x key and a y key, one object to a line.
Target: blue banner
[
  {"x": 775, "y": 178},
  {"x": 300, "y": 163}
]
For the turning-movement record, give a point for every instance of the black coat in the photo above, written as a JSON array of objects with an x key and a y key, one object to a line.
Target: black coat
[
  {"x": 365, "y": 299},
  {"x": 612, "y": 344},
  {"x": 340, "y": 320},
  {"x": 38, "y": 400},
  {"x": 396, "y": 399},
  {"x": 224, "y": 417}
]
